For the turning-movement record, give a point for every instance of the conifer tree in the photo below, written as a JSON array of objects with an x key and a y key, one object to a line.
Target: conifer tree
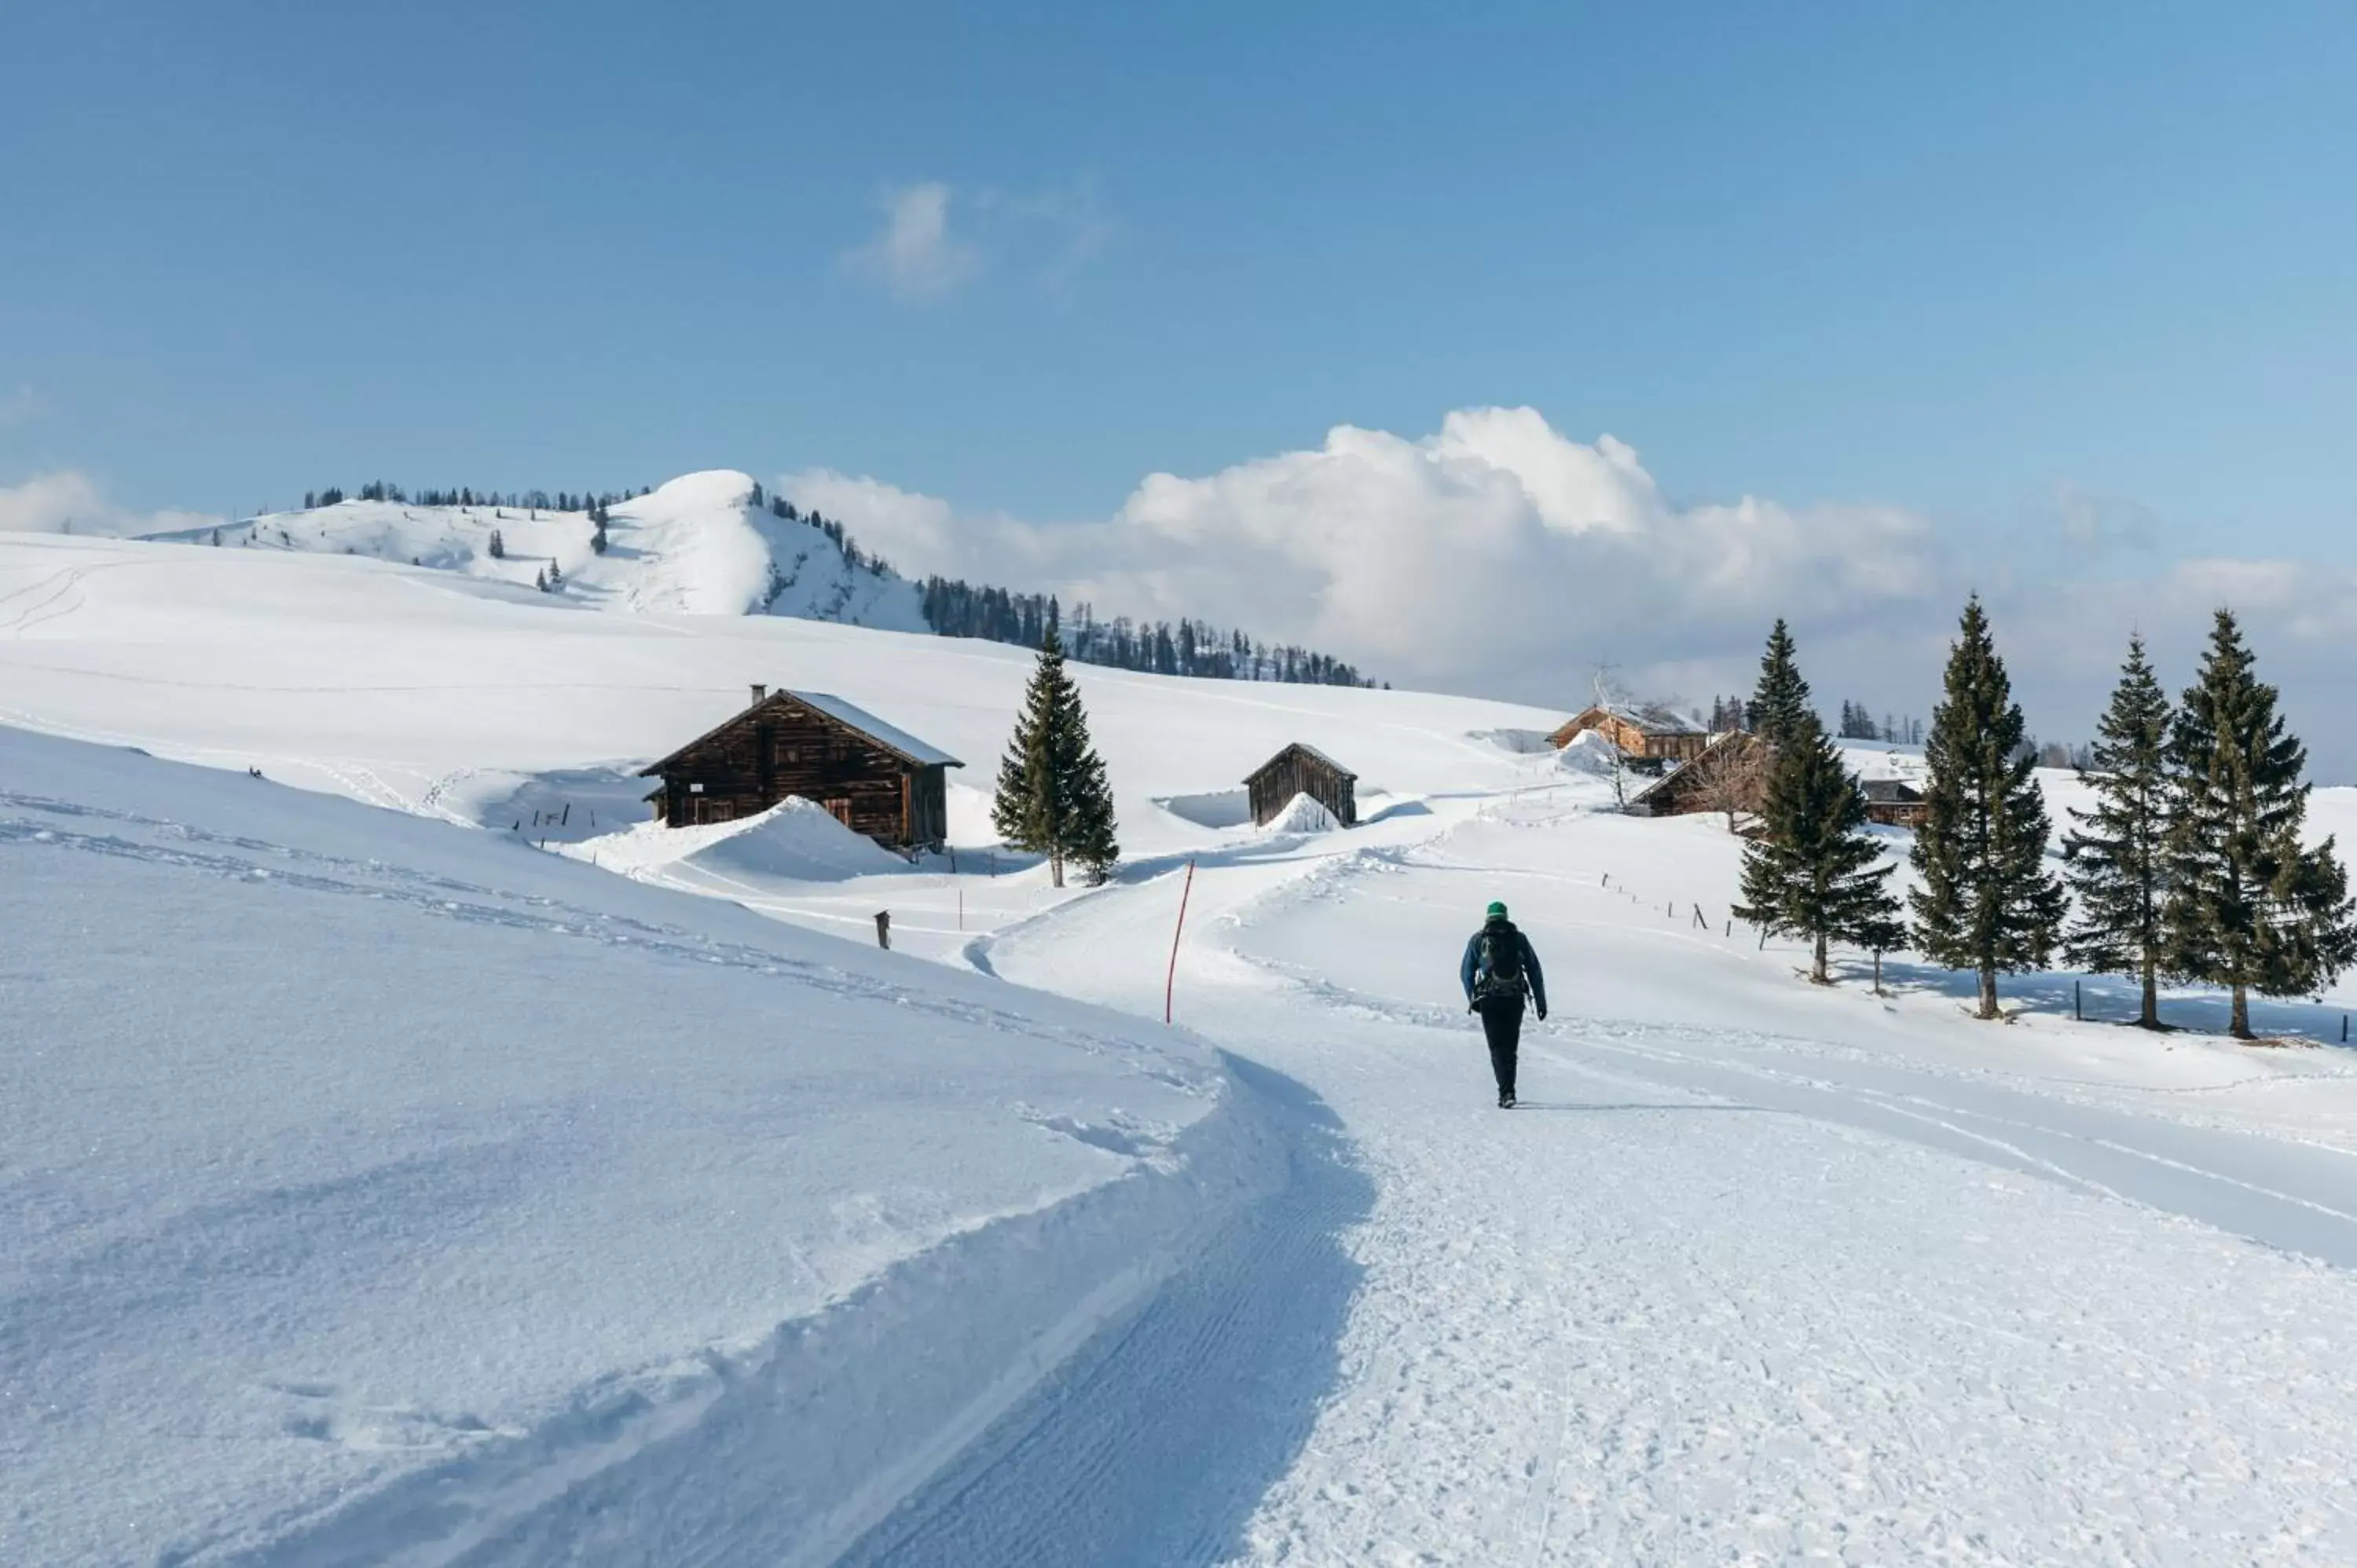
[
  {"x": 2251, "y": 908},
  {"x": 1781, "y": 701},
  {"x": 1815, "y": 872},
  {"x": 1053, "y": 799},
  {"x": 2118, "y": 854},
  {"x": 498, "y": 546},
  {"x": 1986, "y": 902}
]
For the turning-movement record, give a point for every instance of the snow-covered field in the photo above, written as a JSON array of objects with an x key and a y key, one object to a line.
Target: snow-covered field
[{"x": 384, "y": 1185}]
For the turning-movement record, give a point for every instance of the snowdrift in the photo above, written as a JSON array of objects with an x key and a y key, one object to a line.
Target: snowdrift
[
  {"x": 795, "y": 840},
  {"x": 1588, "y": 753},
  {"x": 381, "y": 1185},
  {"x": 1303, "y": 815}
]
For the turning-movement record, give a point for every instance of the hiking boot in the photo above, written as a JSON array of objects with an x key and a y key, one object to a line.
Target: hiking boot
[{"x": 1506, "y": 1100}]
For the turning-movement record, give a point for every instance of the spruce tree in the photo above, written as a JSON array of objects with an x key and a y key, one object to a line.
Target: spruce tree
[
  {"x": 2118, "y": 854},
  {"x": 2251, "y": 908},
  {"x": 498, "y": 546},
  {"x": 1781, "y": 701},
  {"x": 1815, "y": 872},
  {"x": 1053, "y": 799},
  {"x": 1985, "y": 902}
]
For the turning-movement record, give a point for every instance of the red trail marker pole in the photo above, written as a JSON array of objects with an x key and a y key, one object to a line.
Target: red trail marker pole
[{"x": 1170, "y": 980}]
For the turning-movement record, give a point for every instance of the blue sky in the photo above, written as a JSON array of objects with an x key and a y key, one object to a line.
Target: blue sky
[
  {"x": 1945, "y": 256},
  {"x": 2001, "y": 266}
]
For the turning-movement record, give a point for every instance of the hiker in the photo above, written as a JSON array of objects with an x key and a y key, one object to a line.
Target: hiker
[{"x": 1499, "y": 972}]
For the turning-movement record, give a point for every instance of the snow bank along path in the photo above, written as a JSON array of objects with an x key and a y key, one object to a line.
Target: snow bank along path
[{"x": 374, "y": 1190}]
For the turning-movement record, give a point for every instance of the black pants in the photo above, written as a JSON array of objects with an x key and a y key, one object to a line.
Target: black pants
[{"x": 1501, "y": 1022}]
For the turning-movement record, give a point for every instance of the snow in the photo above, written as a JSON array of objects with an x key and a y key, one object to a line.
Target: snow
[
  {"x": 1302, "y": 814},
  {"x": 795, "y": 840},
  {"x": 697, "y": 546},
  {"x": 860, "y": 719},
  {"x": 345, "y": 1152},
  {"x": 375, "y": 1186}
]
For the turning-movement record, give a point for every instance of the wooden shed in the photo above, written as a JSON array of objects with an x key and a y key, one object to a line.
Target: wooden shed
[
  {"x": 1730, "y": 776},
  {"x": 876, "y": 779},
  {"x": 1301, "y": 770},
  {"x": 1894, "y": 803},
  {"x": 1653, "y": 735}
]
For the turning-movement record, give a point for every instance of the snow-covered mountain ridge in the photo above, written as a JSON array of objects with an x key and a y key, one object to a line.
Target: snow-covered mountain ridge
[{"x": 701, "y": 544}]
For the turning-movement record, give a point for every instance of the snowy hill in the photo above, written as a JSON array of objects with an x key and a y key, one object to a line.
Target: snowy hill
[
  {"x": 697, "y": 546},
  {"x": 758, "y": 1246},
  {"x": 411, "y": 1158}
]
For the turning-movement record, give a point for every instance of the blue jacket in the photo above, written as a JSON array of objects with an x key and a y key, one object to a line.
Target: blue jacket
[{"x": 1532, "y": 977}]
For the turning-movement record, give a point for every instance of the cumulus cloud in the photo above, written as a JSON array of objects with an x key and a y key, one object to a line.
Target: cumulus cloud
[
  {"x": 1499, "y": 556},
  {"x": 915, "y": 255},
  {"x": 1496, "y": 552},
  {"x": 67, "y": 501}
]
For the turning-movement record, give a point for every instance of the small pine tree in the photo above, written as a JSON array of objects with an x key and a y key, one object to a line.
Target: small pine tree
[
  {"x": 1815, "y": 872},
  {"x": 498, "y": 546},
  {"x": 1986, "y": 902},
  {"x": 555, "y": 577},
  {"x": 1053, "y": 799},
  {"x": 217, "y": 538},
  {"x": 2251, "y": 908},
  {"x": 2118, "y": 853},
  {"x": 597, "y": 540},
  {"x": 1780, "y": 701}
]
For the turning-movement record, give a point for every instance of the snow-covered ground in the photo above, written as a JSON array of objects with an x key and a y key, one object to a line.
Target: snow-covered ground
[
  {"x": 378, "y": 1188},
  {"x": 698, "y": 544}
]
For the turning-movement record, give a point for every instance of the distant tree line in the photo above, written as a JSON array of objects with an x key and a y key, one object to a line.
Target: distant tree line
[
  {"x": 521, "y": 500},
  {"x": 1858, "y": 722},
  {"x": 958, "y": 609}
]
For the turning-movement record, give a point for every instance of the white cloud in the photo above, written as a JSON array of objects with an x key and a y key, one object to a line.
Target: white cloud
[
  {"x": 67, "y": 501},
  {"x": 1499, "y": 556},
  {"x": 915, "y": 255}
]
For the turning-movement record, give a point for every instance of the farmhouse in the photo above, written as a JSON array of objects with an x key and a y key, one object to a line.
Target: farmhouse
[
  {"x": 1730, "y": 776},
  {"x": 1894, "y": 804},
  {"x": 1651, "y": 735},
  {"x": 876, "y": 779},
  {"x": 1301, "y": 770}
]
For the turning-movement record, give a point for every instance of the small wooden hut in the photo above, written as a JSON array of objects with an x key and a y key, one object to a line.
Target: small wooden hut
[
  {"x": 1653, "y": 735},
  {"x": 1301, "y": 770},
  {"x": 1730, "y": 776},
  {"x": 1894, "y": 803},
  {"x": 876, "y": 779}
]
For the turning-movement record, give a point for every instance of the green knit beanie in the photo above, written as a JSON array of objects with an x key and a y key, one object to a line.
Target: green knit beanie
[{"x": 1497, "y": 911}]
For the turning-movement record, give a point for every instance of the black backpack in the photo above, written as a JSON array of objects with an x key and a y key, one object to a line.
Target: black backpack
[{"x": 1499, "y": 970}]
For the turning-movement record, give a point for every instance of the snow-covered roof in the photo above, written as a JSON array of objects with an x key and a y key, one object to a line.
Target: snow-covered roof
[
  {"x": 1306, "y": 750},
  {"x": 1655, "y": 718},
  {"x": 892, "y": 738},
  {"x": 876, "y": 729}
]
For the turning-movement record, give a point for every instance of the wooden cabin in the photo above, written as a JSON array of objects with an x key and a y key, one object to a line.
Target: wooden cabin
[
  {"x": 876, "y": 779},
  {"x": 1894, "y": 803},
  {"x": 1301, "y": 770},
  {"x": 1651, "y": 736},
  {"x": 1730, "y": 776}
]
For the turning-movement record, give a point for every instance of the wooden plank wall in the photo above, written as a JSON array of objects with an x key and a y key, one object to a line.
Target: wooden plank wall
[
  {"x": 779, "y": 749},
  {"x": 1298, "y": 773}
]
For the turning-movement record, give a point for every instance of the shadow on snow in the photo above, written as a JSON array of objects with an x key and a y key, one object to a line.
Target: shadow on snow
[{"x": 1155, "y": 1443}]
